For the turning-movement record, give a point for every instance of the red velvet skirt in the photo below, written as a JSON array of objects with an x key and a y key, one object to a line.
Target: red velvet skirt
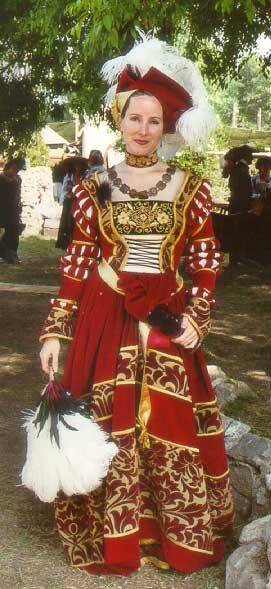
[{"x": 167, "y": 496}]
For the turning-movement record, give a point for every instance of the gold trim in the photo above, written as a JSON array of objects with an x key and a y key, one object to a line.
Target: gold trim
[
  {"x": 98, "y": 419},
  {"x": 120, "y": 238},
  {"x": 109, "y": 276},
  {"x": 214, "y": 402},
  {"x": 177, "y": 196},
  {"x": 204, "y": 269},
  {"x": 72, "y": 278},
  {"x": 205, "y": 239},
  {"x": 177, "y": 358},
  {"x": 186, "y": 205},
  {"x": 194, "y": 324},
  {"x": 120, "y": 535},
  {"x": 165, "y": 392},
  {"x": 200, "y": 227},
  {"x": 112, "y": 226},
  {"x": 81, "y": 230},
  {"x": 89, "y": 563},
  {"x": 148, "y": 516},
  {"x": 221, "y": 476},
  {"x": 218, "y": 432},
  {"x": 191, "y": 548},
  {"x": 190, "y": 448},
  {"x": 57, "y": 335},
  {"x": 160, "y": 564},
  {"x": 97, "y": 384},
  {"x": 122, "y": 383},
  {"x": 144, "y": 409},
  {"x": 148, "y": 542},
  {"x": 73, "y": 302},
  {"x": 83, "y": 242},
  {"x": 123, "y": 432}
]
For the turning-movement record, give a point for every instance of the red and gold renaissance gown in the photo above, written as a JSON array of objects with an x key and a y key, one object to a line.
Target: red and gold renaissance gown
[{"x": 167, "y": 496}]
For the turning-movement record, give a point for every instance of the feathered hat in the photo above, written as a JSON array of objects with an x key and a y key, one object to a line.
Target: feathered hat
[{"x": 156, "y": 67}]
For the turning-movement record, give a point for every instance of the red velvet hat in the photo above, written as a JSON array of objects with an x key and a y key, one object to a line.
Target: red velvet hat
[{"x": 173, "y": 98}]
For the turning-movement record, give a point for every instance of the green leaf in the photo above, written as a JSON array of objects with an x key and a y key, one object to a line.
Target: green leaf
[{"x": 107, "y": 22}]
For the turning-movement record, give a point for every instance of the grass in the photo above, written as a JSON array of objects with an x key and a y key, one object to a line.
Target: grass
[
  {"x": 40, "y": 263},
  {"x": 37, "y": 246},
  {"x": 240, "y": 342}
]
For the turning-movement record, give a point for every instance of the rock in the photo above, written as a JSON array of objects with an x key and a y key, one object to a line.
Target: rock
[
  {"x": 215, "y": 372},
  {"x": 225, "y": 391},
  {"x": 268, "y": 554},
  {"x": 243, "y": 479},
  {"x": 244, "y": 391},
  {"x": 254, "y": 532},
  {"x": 252, "y": 449},
  {"x": 243, "y": 505},
  {"x": 234, "y": 431},
  {"x": 243, "y": 568},
  {"x": 37, "y": 198},
  {"x": 268, "y": 481}
]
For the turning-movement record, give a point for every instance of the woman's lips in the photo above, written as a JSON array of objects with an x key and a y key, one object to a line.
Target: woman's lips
[{"x": 141, "y": 141}]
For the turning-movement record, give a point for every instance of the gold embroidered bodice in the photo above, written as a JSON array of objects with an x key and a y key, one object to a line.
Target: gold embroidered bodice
[
  {"x": 143, "y": 217},
  {"x": 143, "y": 225}
]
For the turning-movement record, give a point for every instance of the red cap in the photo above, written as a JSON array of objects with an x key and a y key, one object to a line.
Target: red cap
[{"x": 173, "y": 97}]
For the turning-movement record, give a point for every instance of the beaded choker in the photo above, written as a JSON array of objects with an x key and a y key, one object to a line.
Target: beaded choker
[
  {"x": 142, "y": 194},
  {"x": 141, "y": 161}
]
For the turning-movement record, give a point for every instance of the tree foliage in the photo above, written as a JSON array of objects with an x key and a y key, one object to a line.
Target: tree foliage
[
  {"x": 56, "y": 47},
  {"x": 250, "y": 92}
]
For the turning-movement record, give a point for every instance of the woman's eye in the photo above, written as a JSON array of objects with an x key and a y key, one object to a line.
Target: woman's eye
[
  {"x": 134, "y": 118},
  {"x": 155, "y": 122}
]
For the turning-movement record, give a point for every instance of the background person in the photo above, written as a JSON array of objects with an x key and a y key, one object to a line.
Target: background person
[
  {"x": 10, "y": 210},
  {"x": 95, "y": 161}
]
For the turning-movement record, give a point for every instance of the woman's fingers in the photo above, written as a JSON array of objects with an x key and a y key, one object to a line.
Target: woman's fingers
[
  {"x": 49, "y": 355},
  {"x": 189, "y": 338}
]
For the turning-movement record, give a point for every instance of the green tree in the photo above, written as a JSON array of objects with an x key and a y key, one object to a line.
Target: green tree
[
  {"x": 56, "y": 47},
  {"x": 251, "y": 90}
]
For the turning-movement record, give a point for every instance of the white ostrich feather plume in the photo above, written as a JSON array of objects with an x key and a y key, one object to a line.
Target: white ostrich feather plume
[
  {"x": 194, "y": 126},
  {"x": 77, "y": 467}
]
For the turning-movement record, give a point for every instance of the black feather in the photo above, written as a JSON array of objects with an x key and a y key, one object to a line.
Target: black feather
[{"x": 104, "y": 192}]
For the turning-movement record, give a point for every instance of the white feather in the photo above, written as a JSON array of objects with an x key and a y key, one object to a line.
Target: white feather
[{"x": 78, "y": 467}]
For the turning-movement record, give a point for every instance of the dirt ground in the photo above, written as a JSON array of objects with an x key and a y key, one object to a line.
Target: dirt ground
[{"x": 31, "y": 556}]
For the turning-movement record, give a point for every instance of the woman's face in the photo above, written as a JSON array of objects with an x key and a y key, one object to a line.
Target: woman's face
[{"x": 142, "y": 125}]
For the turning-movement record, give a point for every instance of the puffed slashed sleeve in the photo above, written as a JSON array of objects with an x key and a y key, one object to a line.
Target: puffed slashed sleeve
[
  {"x": 80, "y": 258},
  {"x": 202, "y": 260}
]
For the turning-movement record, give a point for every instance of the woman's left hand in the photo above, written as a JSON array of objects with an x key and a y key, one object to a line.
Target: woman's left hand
[{"x": 189, "y": 337}]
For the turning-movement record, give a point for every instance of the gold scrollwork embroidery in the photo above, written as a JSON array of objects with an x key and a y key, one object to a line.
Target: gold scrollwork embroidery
[
  {"x": 208, "y": 421},
  {"x": 143, "y": 217}
]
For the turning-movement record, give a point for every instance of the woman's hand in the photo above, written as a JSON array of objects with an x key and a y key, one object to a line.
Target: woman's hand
[
  {"x": 49, "y": 354},
  {"x": 189, "y": 337}
]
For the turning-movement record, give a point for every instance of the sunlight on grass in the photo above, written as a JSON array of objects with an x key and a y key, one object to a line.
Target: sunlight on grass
[{"x": 37, "y": 246}]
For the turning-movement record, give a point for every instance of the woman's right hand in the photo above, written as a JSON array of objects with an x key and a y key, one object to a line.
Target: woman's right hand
[{"x": 49, "y": 354}]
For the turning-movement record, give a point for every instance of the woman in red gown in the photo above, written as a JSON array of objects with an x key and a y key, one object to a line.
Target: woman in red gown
[{"x": 135, "y": 332}]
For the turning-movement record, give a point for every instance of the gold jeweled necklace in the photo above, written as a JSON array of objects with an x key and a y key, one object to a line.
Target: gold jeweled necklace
[
  {"x": 142, "y": 194},
  {"x": 141, "y": 161}
]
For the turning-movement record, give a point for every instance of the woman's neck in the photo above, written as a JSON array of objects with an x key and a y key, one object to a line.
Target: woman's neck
[{"x": 141, "y": 161}]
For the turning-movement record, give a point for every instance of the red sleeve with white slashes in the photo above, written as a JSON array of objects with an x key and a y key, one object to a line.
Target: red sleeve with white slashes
[
  {"x": 78, "y": 261},
  {"x": 202, "y": 257}
]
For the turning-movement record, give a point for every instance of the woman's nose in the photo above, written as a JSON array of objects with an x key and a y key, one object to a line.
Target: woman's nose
[{"x": 143, "y": 128}]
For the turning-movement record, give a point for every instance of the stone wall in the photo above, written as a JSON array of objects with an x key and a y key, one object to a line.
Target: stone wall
[
  {"x": 249, "y": 458},
  {"x": 38, "y": 202},
  {"x": 249, "y": 455}
]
